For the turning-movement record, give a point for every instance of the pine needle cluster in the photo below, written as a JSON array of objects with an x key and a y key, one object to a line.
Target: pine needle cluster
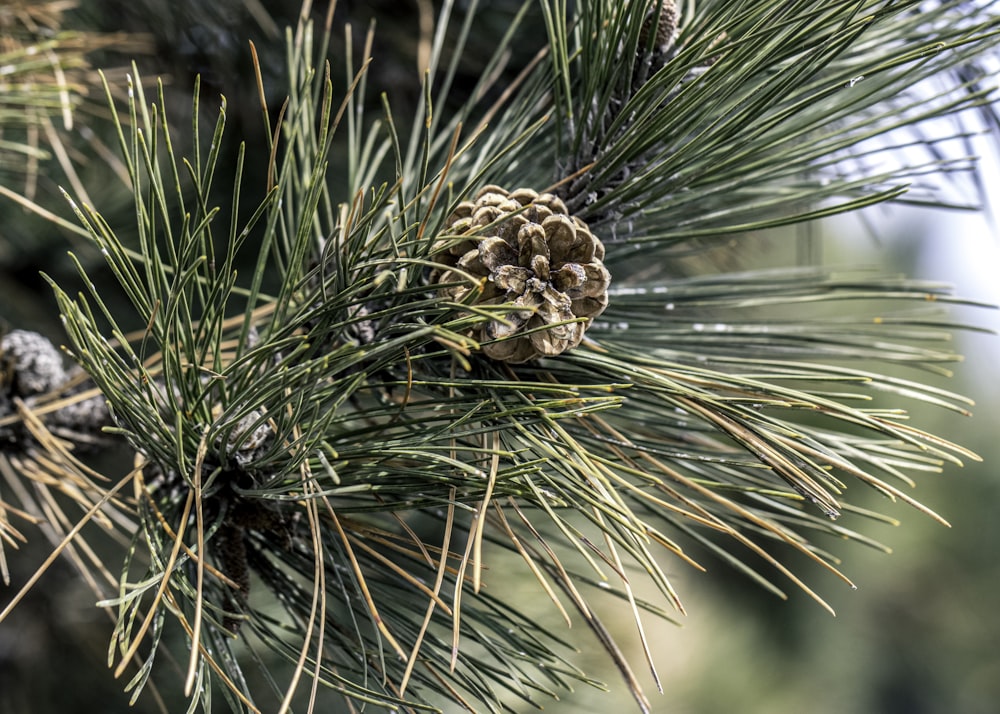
[{"x": 479, "y": 329}]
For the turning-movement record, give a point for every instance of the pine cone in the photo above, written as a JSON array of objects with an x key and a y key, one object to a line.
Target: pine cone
[
  {"x": 534, "y": 256},
  {"x": 35, "y": 365}
]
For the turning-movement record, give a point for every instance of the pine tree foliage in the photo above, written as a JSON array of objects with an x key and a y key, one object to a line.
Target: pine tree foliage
[
  {"x": 327, "y": 448},
  {"x": 46, "y": 78}
]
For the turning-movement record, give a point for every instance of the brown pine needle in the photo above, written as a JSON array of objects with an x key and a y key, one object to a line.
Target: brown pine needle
[
  {"x": 161, "y": 589},
  {"x": 319, "y": 590},
  {"x": 457, "y": 603},
  {"x": 767, "y": 454},
  {"x": 729, "y": 530},
  {"x": 57, "y": 519},
  {"x": 440, "y": 183},
  {"x": 480, "y": 516},
  {"x": 417, "y": 542},
  {"x": 66, "y": 541},
  {"x": 438, "y": 582},
  {"x": 636, "y": 617},
  {"x": 207, "y": 657},
  {"x": 609, "y": 645},
  {"x": 564, "y": 580},
  {"x": 363, "y": 584},
  {"x": 320, "y": 585},
  {"x": 402, "y": 573},
  {"x": 195, "y": 557},
  {"x": 199, "y": 599},
  {"x": 532, "y": 565}
]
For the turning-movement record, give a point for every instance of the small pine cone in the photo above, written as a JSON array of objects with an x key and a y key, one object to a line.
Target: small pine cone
[
  {"x": 532, "y": 255},
  {"x": 230, "y": 547},
  {"x": 83, "y": 415},
  {"x": 666, "y": 26},
  {"x": 33, "y": 365},
  {"x": 254, "y": 443}
]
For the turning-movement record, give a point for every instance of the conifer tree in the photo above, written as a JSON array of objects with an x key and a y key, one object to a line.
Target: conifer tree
[{"x": 504, "y": 323}]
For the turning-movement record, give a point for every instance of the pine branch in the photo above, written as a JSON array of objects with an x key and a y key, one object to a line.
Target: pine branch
[{"x": 450, "y": 359}]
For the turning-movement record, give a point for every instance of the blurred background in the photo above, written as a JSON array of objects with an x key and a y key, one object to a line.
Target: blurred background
[{"x": 921, "y": 635}]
